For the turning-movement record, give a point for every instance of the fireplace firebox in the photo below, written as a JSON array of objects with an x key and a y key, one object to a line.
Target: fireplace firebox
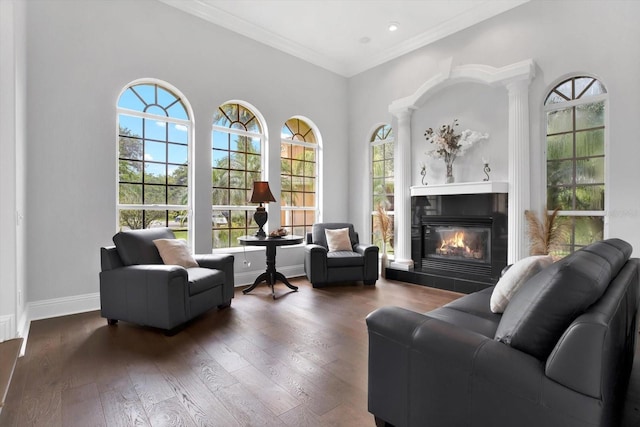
[
  {"x": 458, "y": 242},
  {"x": 457, "y": 245}
]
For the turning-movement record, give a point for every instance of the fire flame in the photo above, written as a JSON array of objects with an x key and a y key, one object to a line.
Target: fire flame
[
  {"x": 456, "y": 244},
  {"x": 457, "y": 241}
]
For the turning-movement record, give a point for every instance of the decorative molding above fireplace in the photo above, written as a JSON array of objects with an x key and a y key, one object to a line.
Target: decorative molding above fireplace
[
  {"x": 513, "y": 78},
  {"x": 460, "y": 188}
]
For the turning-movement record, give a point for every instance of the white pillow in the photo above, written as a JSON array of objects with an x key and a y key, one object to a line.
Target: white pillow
[
  {"x": 514, "y": 277},
  {"x": 175, "y": 252},
  {"x": 338, "y": 239}
]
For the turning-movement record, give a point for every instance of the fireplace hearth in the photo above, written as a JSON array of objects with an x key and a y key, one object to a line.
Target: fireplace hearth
[{"x": 458, "y": 242}]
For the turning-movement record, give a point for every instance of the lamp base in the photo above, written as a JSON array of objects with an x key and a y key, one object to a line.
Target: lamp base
[{"x": 260, "y": 217}]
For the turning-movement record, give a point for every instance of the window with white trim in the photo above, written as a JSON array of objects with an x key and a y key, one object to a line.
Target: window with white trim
[
  {"x": 154, "y": 135},
  {"x": 237, "y": 144},
  {"x": 298, "y": 176},
  {"x": 575, "y": 158},
  {"x": 382, "y": 180}
]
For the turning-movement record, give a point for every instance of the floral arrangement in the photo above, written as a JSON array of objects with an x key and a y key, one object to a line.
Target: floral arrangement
[{"x": 451, "y": 144}]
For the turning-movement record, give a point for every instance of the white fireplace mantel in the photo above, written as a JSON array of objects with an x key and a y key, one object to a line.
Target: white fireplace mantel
[{"x": 481, "y": 187}]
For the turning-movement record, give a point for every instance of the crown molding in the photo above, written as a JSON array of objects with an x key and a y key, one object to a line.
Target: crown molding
[
  {"x": 482, "y": 11},
  {"x": 238, "y": 25}
]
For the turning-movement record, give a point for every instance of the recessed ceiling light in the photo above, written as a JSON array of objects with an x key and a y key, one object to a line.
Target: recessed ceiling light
[{"x": 393, "y": 26}]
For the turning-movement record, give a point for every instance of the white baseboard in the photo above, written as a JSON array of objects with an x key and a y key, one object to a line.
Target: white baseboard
[
  {"x": 23, "y": 329},
  {"x": 7, "y": 327},
  {"x": 57, "y": 307}
]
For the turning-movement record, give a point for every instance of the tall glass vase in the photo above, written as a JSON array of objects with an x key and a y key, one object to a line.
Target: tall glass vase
[{"x": 449, "y": 162}]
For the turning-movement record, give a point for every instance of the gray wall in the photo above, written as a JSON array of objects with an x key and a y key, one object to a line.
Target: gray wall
[
  {"x": 81, "y": 54},
  {"x": 562, "y": 37}
]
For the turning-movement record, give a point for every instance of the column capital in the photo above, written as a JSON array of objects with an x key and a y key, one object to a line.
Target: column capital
[
  {"x": 517, "y": 87},
  {"x": 402, "y": 113}
]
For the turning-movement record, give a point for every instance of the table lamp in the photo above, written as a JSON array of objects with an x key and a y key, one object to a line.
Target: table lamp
[{"x": 261, "y": 194}]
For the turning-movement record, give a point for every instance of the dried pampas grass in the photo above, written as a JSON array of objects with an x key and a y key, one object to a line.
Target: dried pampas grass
[
  {"x": 547, "y": 235},
  {"x": 383, "y": 223}
]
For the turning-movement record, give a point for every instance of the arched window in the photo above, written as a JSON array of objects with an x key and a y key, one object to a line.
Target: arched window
[
  {"x": 154, "y": 134},
  {"x": 237, "y": 144},
  {"x": 298, "y": 176},
  {"x": 575, "y": 155},
  {"x": 382, "y": 182}
]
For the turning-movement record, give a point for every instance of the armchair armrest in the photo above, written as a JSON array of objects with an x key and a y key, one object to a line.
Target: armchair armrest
[
  {"x": 217, "y": 261},
  {"x": 370, "y": 254},
  {"x": 222, "y": 262},
  {"x": 109, "y": 258},
  {"x": 149, "y": 294},
  {"x": 366, "y": 250},
  {"x": 315, "y": 263}
]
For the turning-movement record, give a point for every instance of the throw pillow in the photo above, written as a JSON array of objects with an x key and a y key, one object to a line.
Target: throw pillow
[
  {"x": 175, "y": 252},
  {"x": 338, "y": 239},
  {"x": 515, "y": 276}
]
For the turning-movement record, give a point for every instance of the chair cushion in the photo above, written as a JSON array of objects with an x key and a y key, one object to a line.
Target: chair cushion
[
  {"x": 338, "y": 239},
  {"x": 547, "y": 303},
  {"x": 137, "y": 247},
  {"x": 344, "y": 259},
  {"x": 202, "y": 279},
  {"x": 175, "y": 252},
  {"x": 514, "y": 277}
]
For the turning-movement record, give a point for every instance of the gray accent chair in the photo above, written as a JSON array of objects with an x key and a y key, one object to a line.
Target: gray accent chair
[
  {"x": 323, "y": 267},
  {"x": 135, "y": 285},
  {"x": 559, "y": 356}
]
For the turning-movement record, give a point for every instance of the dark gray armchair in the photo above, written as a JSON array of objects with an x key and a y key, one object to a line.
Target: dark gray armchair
[
  {"x": 322, "y": 266},
  {"x": 135, "y": 285}
]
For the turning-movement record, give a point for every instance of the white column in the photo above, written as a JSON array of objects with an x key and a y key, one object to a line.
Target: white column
[
  {"x": 519, "y": 171},
  {"x": 402, "y": 175}
]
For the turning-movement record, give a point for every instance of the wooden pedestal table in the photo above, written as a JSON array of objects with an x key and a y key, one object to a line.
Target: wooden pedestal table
[{"x": 271, "y": 275}]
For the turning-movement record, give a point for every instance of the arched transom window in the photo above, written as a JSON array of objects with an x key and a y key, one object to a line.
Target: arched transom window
[
  {"x": 154, "y": 134},
  {"x": 237, "y": 145},
  {"x": 382, "y": 180},
  {"x": 298, "y": 176},
  {"x": 575, "y": 153}
]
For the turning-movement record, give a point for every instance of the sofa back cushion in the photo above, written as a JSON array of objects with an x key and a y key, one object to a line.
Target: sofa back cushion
[
  {"x": 136, "y": 246},
  {"x": 319, "y": 237},
  {"x": 546, "y": 304}
]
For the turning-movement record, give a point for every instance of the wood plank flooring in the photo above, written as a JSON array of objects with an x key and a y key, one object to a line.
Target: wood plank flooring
[
  {"x": 300, "y": 360},
  {"x": 9, "y": 351}
]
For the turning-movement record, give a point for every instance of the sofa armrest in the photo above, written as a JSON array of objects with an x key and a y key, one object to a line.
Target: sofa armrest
[
  {"x": 315, "y": 263},
  {"x": 222, "y": 262},
  {"x": 421, "y": 368}
]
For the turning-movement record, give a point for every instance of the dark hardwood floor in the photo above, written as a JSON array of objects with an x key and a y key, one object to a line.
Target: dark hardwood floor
[{"x": 300, "y": 360}]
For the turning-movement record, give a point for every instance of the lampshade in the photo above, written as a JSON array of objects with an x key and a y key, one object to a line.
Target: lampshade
[{"x": 261, "y": 192}]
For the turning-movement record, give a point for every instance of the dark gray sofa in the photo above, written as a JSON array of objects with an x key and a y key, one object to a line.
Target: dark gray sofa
[
  {"x": 135, "y": 285},
  {"x": 323, "y": 267},
  {"x": 560, "y": 355}
]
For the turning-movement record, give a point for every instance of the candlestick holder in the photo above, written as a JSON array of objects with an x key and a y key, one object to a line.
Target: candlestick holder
[
  {"x": 486, "y": 170},
  {"x": 423, "y": 172}
]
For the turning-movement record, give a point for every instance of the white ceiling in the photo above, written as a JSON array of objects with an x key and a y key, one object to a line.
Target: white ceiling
[{"x": 345, "y": 36}]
